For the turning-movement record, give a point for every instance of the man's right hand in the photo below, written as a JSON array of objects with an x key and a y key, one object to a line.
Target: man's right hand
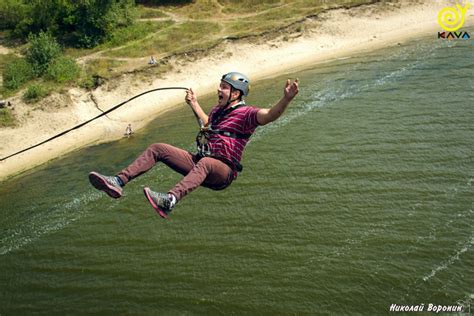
[
  {"x": 190, "y": 97},
  {"x": 193, "y": 103}
]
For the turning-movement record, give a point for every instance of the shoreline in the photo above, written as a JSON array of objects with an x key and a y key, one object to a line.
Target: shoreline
[{"x": 334, "y": 34}]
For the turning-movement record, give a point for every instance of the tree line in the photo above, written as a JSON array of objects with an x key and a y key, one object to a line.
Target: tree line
[
  {"x": 47, "y": 26},
  {"x": 75, "y": 23}
]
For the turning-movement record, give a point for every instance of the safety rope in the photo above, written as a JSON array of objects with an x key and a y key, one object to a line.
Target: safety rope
[{"x": 92, "y": 119}]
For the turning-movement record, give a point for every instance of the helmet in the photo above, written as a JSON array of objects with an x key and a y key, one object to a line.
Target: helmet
[{"x": 237, "y": 81}]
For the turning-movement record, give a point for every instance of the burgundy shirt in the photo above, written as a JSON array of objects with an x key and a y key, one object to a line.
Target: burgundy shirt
[{"x": 242, "y": 120}]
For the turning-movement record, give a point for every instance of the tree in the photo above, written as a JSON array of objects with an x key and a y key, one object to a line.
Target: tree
[
  {"x": 42, "y": 51},
  {"x": 81, "y": 23},
  {"x": 94, "y": 20},
  {"x": 12, "y": 12}
]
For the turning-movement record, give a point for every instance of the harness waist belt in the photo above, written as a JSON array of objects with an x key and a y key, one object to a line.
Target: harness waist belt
[{"x": 230, "y": 134}]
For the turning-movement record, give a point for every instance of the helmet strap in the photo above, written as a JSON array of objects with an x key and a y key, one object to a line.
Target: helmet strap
[{"x": 229, "y": 101}]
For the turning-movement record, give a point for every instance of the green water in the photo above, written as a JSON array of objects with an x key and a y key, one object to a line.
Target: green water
[{"x": 360, "y": 197}]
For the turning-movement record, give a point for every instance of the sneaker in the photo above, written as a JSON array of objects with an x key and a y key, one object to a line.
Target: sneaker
[
  {"x": 107, "y": 184},
  {"x": 161, "y": 202}
]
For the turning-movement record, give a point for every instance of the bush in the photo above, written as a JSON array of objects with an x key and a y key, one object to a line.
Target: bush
[
  {"x": 34, "y": 93},
  {"x": 42, "y": 51},
  {"x": 6, "y": 118},
  {"x": 16, "y": 73},
  {"x": 63, "y": 69}
]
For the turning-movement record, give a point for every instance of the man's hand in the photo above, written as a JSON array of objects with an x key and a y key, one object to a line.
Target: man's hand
[
  {"x": 291, "y": 89},
  {"x": 191, "y": 100},
  {"x": 265, "y": 116},
  {"x": 190, "y": 97}
]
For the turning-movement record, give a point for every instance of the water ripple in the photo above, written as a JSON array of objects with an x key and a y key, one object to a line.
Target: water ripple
[
  {"x": 41, "y": 223},
  {"x": 455, "y": 257}
]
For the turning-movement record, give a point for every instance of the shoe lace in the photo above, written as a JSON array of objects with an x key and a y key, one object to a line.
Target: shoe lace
[
  {"x": 113, "y": 181},
  {"x": 164, "y": 200}
]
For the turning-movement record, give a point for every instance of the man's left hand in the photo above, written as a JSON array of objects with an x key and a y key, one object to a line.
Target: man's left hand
[{"x": 291, "y": 89}]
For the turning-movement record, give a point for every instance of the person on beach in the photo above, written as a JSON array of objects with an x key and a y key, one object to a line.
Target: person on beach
[
  {"x": 152, "y": 60},
  {"x": 220, "y": 144},
  {"x": 128, "y": 131}
]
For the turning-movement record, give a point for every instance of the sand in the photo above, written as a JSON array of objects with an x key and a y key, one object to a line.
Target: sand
[{"x": 335, "y": 34}]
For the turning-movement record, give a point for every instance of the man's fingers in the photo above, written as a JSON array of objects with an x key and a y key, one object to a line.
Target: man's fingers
[{"x": 296, "y": 83}]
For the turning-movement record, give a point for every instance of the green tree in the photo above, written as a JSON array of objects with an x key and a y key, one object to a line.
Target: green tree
[
  {"x": 42, "y": 51},
  {"x": 95, "y": 20},
  {"x": 12, "y": 12},
  {"x": 81, "y": 23}
]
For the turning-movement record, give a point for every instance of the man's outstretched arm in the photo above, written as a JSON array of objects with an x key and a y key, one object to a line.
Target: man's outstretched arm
[
  {"x": 265, "y": 116},
  {"x": 191, "y": 100}
]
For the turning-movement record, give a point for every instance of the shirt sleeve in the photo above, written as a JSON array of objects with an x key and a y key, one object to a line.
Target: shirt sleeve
[{"x": 251, "y": 122}]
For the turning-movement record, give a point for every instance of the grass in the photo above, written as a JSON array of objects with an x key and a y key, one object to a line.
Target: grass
[
  {"x": 248, "y": 6},
  {"x": 105, "y": 68},
  {"x": 4, "y": 60},
  {"x": 202, "y": 23},
  {"x": 36, "y": 92},
  {"x": 150, "y": 13},
  {"x": 135, "y": 32},
  {"x": 191, "y": 25},
  {"x": 6, "y": 118},
  {"x": 197, "y": 10},
  {"x": 123, "y": 36},
  {"x": 175, "y": 39}
]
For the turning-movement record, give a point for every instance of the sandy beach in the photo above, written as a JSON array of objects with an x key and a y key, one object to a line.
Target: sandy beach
[{"x": 334, "y": 34}]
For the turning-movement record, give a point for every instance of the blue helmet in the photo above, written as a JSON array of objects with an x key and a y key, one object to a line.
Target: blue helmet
[{"x": 237, "y": 81}]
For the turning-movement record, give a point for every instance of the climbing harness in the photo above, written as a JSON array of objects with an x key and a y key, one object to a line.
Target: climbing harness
[{"x": 204, "y": 134}]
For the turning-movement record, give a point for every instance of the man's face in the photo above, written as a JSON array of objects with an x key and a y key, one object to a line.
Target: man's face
[{"x": 225, "y": 93}]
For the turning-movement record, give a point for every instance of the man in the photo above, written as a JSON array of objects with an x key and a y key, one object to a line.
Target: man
[
  {"x": 221, "y": 142},
  {"x": 128, "y": 131}
]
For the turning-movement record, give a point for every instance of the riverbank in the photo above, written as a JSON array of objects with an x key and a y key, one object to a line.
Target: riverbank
[{"x": 334, "y": 34}]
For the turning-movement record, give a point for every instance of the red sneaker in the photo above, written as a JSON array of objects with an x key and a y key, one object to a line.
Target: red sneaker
[
  {"x": 107, "y": 184},
  {"x": 161, "y": 202}
]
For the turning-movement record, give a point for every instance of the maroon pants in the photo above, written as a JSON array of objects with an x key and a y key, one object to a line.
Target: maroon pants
[{"x": 207, "y": 171}]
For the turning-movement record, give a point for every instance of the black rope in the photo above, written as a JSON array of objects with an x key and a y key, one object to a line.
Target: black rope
[{"x": 92, "y": 119}]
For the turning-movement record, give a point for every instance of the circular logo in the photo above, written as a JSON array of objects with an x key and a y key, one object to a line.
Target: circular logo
[{"x": 452, "y": 18}]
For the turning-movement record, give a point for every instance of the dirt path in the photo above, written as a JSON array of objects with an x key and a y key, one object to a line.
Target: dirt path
[
  {"x": 177, "y": 19},
  {"x": 4, "y": 50}
]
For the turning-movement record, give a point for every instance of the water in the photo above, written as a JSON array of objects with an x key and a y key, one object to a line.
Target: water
[{"x": 360, "y": 197}]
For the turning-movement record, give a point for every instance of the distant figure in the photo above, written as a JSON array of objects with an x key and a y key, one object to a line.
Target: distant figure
[
  {"x": 128, "y": 131},
  {"x": 152, "y": 61}
]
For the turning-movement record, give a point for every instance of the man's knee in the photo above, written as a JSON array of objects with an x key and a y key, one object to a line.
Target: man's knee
[
  {"x": 157, "y": 151},
  {"x": 206, "y": 162},
  {"x": 156, "y": 148}
]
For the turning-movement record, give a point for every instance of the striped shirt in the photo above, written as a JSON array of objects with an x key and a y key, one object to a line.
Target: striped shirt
[{"x": 242, "y": 120}]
